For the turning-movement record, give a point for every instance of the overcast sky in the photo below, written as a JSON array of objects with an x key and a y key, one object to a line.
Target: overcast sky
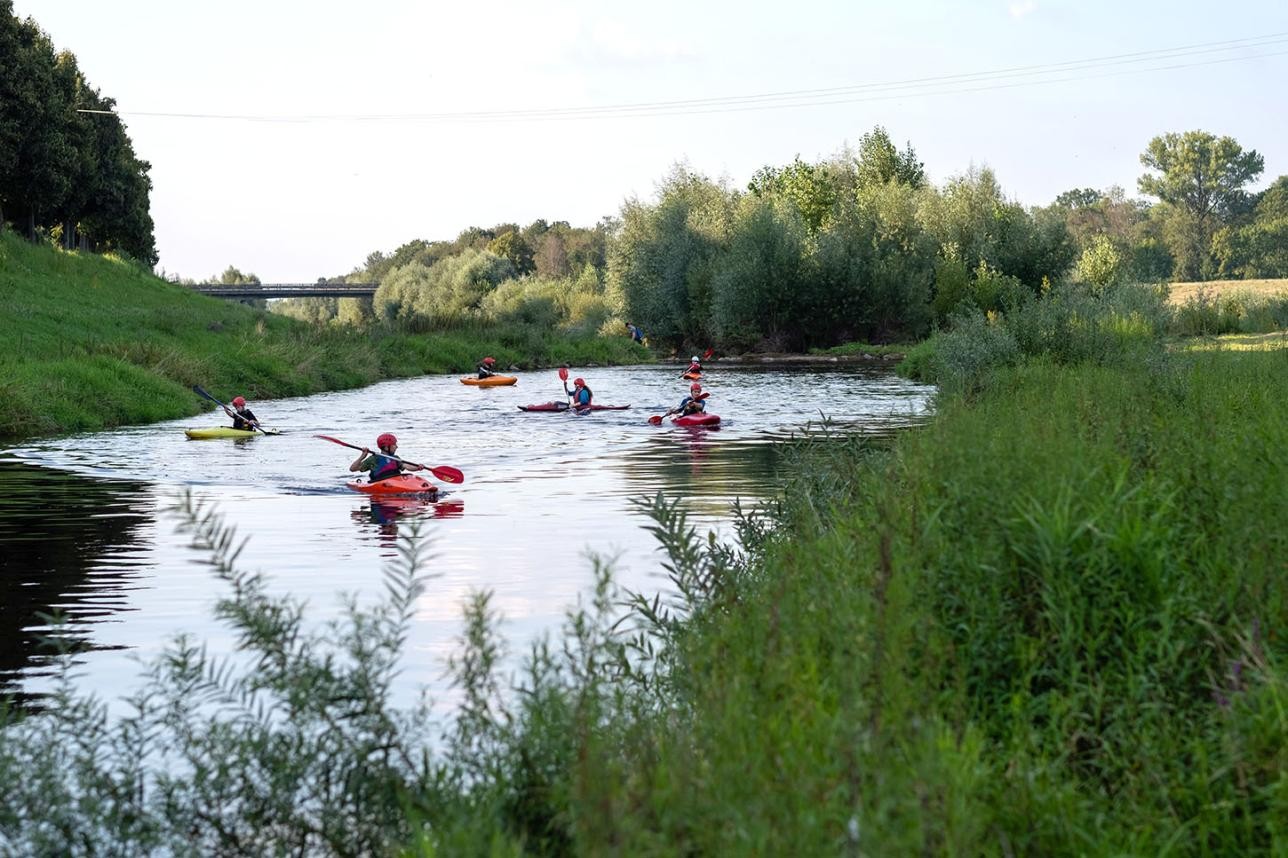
[{"x": 293, "y": 199}]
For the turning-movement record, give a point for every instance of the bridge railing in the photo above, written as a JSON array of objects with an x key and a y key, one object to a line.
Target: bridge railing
[{"x": 287, "y": 290}]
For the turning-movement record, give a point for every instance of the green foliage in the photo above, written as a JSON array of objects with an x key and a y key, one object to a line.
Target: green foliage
[
  {"x": 63, "y": 172},
  {"x": 664, "y": 257},
  {"x": 89, "y": 341},
  {"x": 880, "y": 163},
  {"x": 421, "y": 298},
  {"x": 1100, "y": 266},
  {"x": 1043, "y": 623},
  {"x": 1210, "y": 314},
  {"x": 1200, "y": 177}
]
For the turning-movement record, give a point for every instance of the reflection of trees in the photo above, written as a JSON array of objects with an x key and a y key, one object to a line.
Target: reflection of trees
[
  {"x": 55, "y": 529},
  {"x": 694, "y": 463}
]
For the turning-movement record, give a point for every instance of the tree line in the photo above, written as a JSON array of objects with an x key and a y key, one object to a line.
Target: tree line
[
  {"x": 855, "y": 246},
  {"x": 65, "y": 174}
]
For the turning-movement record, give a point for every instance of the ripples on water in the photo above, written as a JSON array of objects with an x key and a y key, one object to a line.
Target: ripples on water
[{"x": 84, "y": 528}]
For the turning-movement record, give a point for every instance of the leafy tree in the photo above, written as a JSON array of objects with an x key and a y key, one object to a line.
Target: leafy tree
[
  {"x": 762, "y": 289},
  {"x": 1201, "y": 179},
  {"x": 880, "y": 162},
  {"x": 233, "y": 276},
  {"x": 1100, "y": 265},
  {"x": 807, "y": 186},
  {"x": 511, "y": 246},
  {"x": 552, "y": 256},
  {"x": 661, "y": 265}
]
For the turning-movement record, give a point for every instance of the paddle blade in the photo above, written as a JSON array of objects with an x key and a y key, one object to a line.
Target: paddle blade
[
  {"x": 563, "y": 373},
  {"x": 708, "y": 353},
  {"x": 655, "y": 420},
  {"x": 448, "y": 474}
]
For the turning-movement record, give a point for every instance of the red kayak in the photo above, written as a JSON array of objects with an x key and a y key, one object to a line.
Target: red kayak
[
  {"x": 403, "y": 484},
  {"x": 563, "y": 406},
  {"x": 697, "y": 420}
]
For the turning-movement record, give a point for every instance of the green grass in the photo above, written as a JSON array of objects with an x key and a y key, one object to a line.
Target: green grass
[
  {"x": 88, "y": 342},
  {"x": 859, "y": 348},
  {"x": 1050, "y": 622}
]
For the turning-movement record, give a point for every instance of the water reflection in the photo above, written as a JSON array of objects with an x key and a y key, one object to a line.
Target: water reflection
[
  {"x": 69, "y": 545},
  {"x": 381, "y": 516},
  {"x": 543, "y": 492}
]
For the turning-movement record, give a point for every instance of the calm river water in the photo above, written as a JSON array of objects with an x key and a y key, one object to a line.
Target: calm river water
[{"x": 85, "y": 527}]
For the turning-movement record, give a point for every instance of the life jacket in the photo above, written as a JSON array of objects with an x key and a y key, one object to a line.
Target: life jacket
[
  {"x": 384, "y": 469},
  {"x": 241, "y": 419},
  {"x": 699, "y": 405},
  {"x": 583, "y": 396}
]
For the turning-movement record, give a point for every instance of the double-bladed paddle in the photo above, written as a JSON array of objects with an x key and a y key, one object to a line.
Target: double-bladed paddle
[
  {"x": 446, "y": 473},
  {"x": 231, "y": 413}
]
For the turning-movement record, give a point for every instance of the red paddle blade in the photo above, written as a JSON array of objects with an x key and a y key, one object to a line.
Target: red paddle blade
[
  {"x": 655, "y": 420},
  {"x": 563, "y": 373},
  {"x": 708, "y": 353},
  {"x": 448, "y": 474}
]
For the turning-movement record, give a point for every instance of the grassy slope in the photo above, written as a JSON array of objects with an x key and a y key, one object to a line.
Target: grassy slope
[
  {"x": 1180, "y": 293},
  {"x": 1051, "y": 622},
  {"x": 88, "y": 341}
]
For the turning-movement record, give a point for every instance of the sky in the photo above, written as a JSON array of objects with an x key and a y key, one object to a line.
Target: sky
[{"x": 315, "y": 133}]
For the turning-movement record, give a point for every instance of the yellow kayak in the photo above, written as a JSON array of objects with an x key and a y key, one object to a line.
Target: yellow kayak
[
  {"x": 493, "y": 381},
  {"x": 224, "y": 432}
]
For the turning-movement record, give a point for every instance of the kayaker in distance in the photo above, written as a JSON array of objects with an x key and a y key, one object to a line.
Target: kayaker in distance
[
  {"x": 243, "y": 417},
  {"x": 580, "y": 394},
  {"x": 694, "y": 370},
  {"x": 694, "y": 403},
  {"x": 379, "y": 465},
  {"x": 487, "y": 367}
]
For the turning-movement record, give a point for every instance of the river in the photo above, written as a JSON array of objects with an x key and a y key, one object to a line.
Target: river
[{"x": 85, "y": 526}]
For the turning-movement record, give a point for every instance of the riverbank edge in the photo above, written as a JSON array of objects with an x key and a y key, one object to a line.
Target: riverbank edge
[{"x": 90, "y": 342}]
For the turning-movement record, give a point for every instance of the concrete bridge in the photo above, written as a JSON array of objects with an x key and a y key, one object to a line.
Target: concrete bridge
[{"x": 243, "y": 291}]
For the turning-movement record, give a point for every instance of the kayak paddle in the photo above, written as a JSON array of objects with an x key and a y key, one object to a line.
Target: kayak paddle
[
  {"x": 706, "y": 355},
  {"x": 446, "y": 473},
  {"x": 656, "y": 419},
  {"x": 197, "y": 390}
]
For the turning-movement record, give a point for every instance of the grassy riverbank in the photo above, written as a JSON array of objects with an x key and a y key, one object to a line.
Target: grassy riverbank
[
  {"x": 88, "y": 341},
  {"x": 1048, "y": 622}
]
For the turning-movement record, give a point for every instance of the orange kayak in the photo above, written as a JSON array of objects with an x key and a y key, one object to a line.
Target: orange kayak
[
  {"x": 692, "y": 376},
  {"x": 403, "y": 484},
  {"x": 493, "y": 381}
]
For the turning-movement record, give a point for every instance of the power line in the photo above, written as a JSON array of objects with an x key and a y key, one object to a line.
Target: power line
[{"x": 953, "y": 84}]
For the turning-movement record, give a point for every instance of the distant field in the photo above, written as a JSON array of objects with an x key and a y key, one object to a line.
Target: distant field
[{"x": 1183, "y": 292}]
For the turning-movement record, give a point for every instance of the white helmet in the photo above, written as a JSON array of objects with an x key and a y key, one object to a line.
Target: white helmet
[{"x": 694, "y": 358}]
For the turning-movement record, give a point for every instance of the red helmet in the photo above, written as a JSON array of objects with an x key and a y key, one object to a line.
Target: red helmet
[
  {"x": 579, "y": 382},
  {"x": 695, "y": 388},
  {"x": 489, "y": 360},
  {"x": 239, "y": 401},
  {"x": 386, "y": 440}
]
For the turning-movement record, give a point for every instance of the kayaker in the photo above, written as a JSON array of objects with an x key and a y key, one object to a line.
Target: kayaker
[
  {"x": 695, "y": 368},
  {"x": 380, "y": 466},
  {"x": 487, "y": 367},
  {"x": 694, "y": 403},
  {"x": 243, "y": 417},
  {"x": 580, "y": 394}
]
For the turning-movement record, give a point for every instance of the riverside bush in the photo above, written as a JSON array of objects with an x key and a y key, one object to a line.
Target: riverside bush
[{"x": 1046, "y": 622}]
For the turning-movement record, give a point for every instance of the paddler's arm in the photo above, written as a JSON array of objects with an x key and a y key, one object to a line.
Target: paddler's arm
[{"x": 362, "y": 457}]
